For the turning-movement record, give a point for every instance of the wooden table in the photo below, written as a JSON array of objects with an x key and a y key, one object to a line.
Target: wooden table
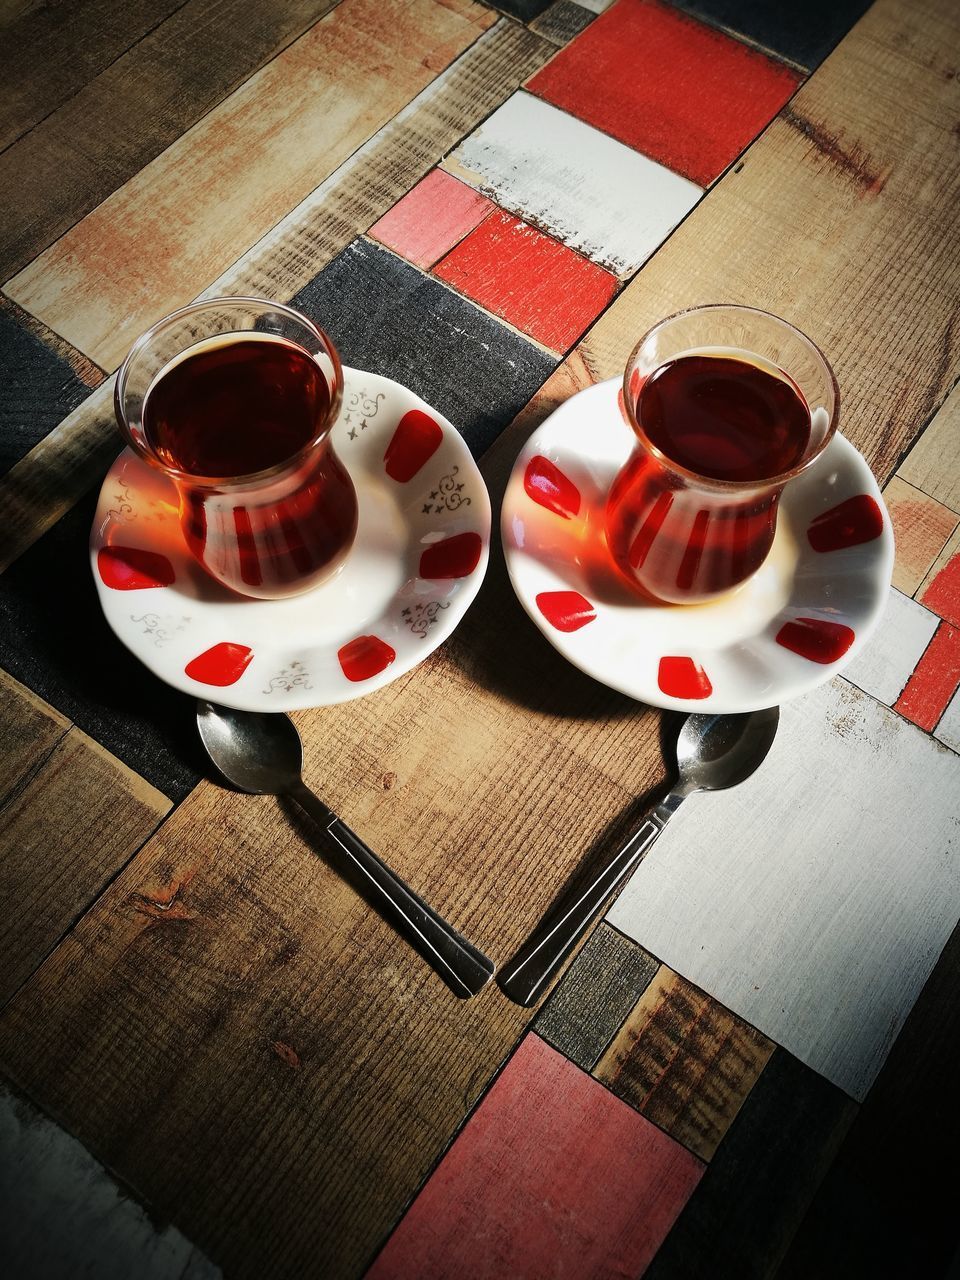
[{"x": 748, "y": 1069}]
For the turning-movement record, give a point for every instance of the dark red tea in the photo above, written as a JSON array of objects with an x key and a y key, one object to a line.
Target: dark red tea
[
  {"x": 725, "y": 418},
  {"x": 236, "y": 407}
]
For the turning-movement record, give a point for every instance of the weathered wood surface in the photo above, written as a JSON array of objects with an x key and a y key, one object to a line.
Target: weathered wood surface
[
  {"x": 933, "y": 465},
  {"x": 70, "y": 817},
  {"x": 145, "y": 250},
  {"x": 148, "y": 90}
]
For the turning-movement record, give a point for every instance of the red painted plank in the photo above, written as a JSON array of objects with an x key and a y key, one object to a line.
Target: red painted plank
[
  {"x": 431, "y": 218},
  {"x": 530, "y": 280},
  {"x": 943, "y": 594},
  {"x": 682, "y": 93},
  {"x": 552, "y": 1176},
  {"x": 934, "y": 681}
]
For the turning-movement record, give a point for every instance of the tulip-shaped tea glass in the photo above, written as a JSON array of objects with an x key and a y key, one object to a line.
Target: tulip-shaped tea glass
[
  {"x": 233, "y": 400},
  {"x": 728, "y": 405}
]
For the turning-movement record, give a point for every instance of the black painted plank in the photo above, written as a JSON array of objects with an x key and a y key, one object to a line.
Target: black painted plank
[
  {"x": 562, "y": 21},
  {"x": 597, "y": 992},
  {"x": 386, "y": 317},
  {"x": 524, "y": 10},
  {"x": 38, "y": 388},
  {"x": 748, "y": 1205},
  {"x": 54, "y": 639},
  {"x": 801, "y": 31}
]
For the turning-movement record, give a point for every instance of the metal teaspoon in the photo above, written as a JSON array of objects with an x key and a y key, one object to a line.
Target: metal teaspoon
[
  {"x": 261, "y": 753},
  {"x": 713, "y": 752}
]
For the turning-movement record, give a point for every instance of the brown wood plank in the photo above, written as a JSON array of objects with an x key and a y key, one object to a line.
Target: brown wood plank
[
  {"x": 840, "y": 218},
  {"x": 112, "y": 124},
  {"x": 71, "y": 817},
  {"x": 245, "y": 165},
  {"x": 29, "y": 731},
  {"x": 49, "y": 52},
  {"x": 684, "y": 1062}
]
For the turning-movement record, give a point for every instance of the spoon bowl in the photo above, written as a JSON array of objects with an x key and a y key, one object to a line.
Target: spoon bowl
[
  {"x": 261, "y": 753},
  {"x": 713, "y": 752}
]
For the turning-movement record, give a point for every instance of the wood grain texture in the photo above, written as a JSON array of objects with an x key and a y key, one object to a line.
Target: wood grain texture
[
  {"x": 813, "y": 842},
  {"x": 684, "y": 1062},
  {"x": 140, "y": 102},
  {"x": 552, "y": 1175},
  {"x": 687, "y": 96},
  {"x": 386, "y": 166},
  {"x": 64, "y": 832},
  {"x": 528, "y": 279},
  {"x": 562, "y": 21},
  {"x": 146, "y": 249},
  {"x": 933, "y": 464},
  {"x": 843, "y": 178},
  {"x": 29, "y": 731},
  {"x": 935, "y": 681},
  {"x": 744, "y": 1213},
  {"x": 597, "y": 992},
  {"x": 922, "y": 527}
]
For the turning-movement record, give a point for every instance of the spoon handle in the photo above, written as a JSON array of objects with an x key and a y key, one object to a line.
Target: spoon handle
[
  {"x": 544, "y": 952},
  {"x": 465, "y": 969}
]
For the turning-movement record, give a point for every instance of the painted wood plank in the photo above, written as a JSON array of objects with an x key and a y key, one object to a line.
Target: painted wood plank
[
  {"x": 594, "y": 996},
  {"x": 383, "y": 314},
  {"x": 73, "y": 457},
  {"x": 38, "y": 388},
  {"x": 54, "y": 640},
  {"x": 887, "y": 1206},
  {"x": 668, "y": 86},
  {"x": 921, "y": 528},
  {"x": 935, "y": 681},
  {"x": 742, "y": 1216},
  {"x": 29, "y": 731},
  {"x": 65, "y": 833},
  {"x": 551, "y": 1172},
  {"x": 523, "y": 10},
  {"x": 140, "y": 102},
  {"x": 885, "y": 665},
  {"x": 562, "y": 21},
  {"x": 246, "y": 164},
  {"x": 933, "y": 464},
  {"x": 941, "y": 590},
  {"x": 684, "y": 1062},
  {"x": 789, "y": 898},
  {"x": 802, "y": 34},
  {"x": 48, "y": 53},
  {"x": 837, "y": 151},
  {"x": 61, "y": 1213},
  {"x": 948, "y": 730},
  {"x": 528, "y": 279},
  {"x": 431, "y": 218},
  {"x": 585, "y": 189}
]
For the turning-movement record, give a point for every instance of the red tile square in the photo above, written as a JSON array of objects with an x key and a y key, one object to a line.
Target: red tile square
[
  {"x": 532, "y": 281},
  {"x": 943, "y": 594},
  {"x": 552, "y": 1175},
  {"x": 431, "y": 218},
  {"x": 682, "y": 93},
  {"x": 935, "y": 680}
]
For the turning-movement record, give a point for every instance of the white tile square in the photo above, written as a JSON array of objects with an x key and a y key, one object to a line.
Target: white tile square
[
  {"x": 586, "y": 189},
  {"x": 948, "y": 730},
  {"x": 814, "y": 899},
  {"x": 888, "y": 659}
]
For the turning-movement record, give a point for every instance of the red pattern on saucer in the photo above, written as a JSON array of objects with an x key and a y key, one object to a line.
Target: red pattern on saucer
[
  {"x": 566, "y": 610},
  {"x": 816, "y": 639},
  {"x": 221, "y": 665},
  {"x": 546, "y": 484},
  {"x": 455, "y": 557},
  {"x": 365, "y": 657},
  {"x": 849, "y": 524},
  {"x": 681, "y": 677},
  {"x": 415, "y": 441},
  {"x": 133, "y": 569}
]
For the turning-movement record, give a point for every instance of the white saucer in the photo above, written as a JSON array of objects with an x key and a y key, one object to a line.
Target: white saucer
[
  {"x": 370, "y": 624},
  {"x": 740, "y": 652}
]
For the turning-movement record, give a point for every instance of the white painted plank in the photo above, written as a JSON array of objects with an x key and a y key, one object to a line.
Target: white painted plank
[
  {"x": 814, "y": 899},
  {"x": 595, "y": 6},
  {"x": 887, "y": 662},
  {"x": 588, "y": 190},
  {"x": 63, "y": 1216},
  {"x": 948, "y": 730}
]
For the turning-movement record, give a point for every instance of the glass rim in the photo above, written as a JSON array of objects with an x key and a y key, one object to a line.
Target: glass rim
[
  {"x": 711, "y": 482},
  {"x": 249, "y": 478}
]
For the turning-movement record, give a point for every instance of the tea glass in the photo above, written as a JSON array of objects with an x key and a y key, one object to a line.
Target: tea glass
[
  {"x": 268, "y": 533},
  {"x": 680, "y": 537}
]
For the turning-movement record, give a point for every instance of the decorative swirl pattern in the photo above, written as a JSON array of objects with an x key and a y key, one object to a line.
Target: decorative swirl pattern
[
  {"x": 293, "y": 677},
  {"x": 448, "y": 494},
  {"x": 421, "y": 617}
]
